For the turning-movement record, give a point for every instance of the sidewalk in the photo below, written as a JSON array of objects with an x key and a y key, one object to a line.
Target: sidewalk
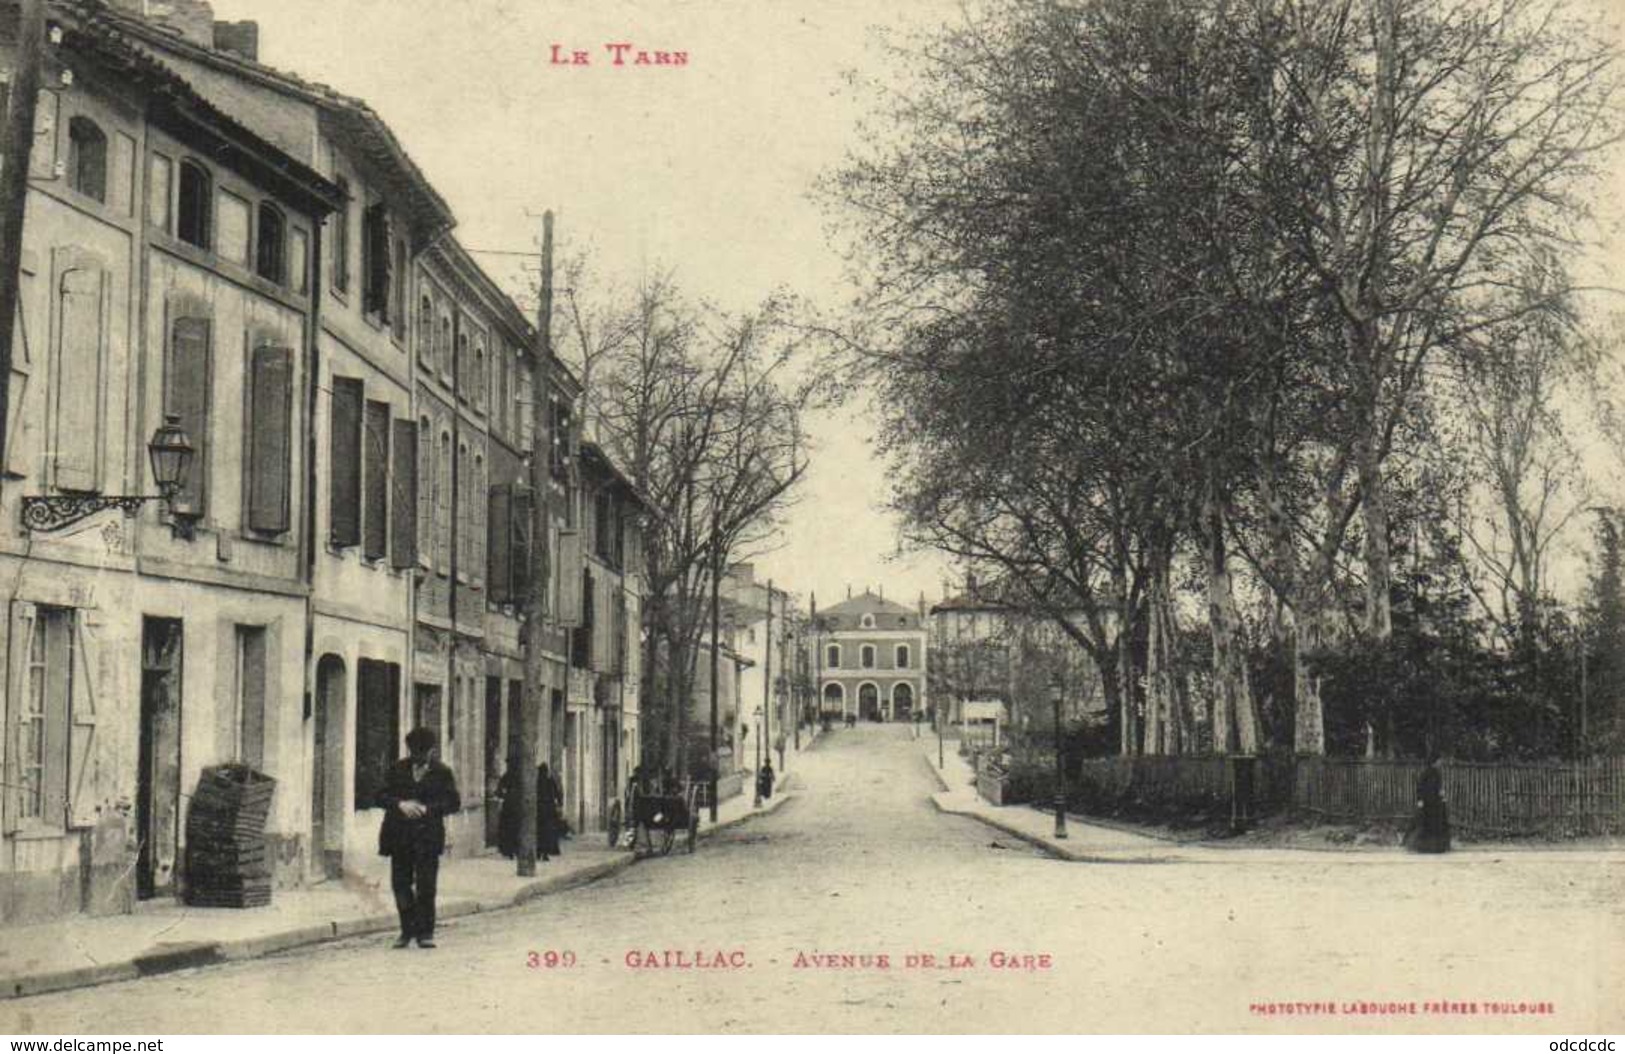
[
  {"x": 1089, "y": 841},
  {"x": 165, "y": 935}
]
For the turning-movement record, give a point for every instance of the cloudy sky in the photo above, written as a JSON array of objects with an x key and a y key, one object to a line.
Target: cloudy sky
[{"x": 703, "y": 169}]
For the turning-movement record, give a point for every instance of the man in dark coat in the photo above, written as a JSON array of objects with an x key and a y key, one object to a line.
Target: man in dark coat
[
  {"x": 418, "y": 794},
  {"x": 1432, "y": 829}
]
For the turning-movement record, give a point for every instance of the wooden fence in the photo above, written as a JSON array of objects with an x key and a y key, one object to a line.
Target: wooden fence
[{"x": 1495, "y": 798}]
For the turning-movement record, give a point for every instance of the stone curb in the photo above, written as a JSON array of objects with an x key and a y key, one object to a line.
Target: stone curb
[
  {"x": 1059, "y": 852},
  {"x": 207, "y": 953}
]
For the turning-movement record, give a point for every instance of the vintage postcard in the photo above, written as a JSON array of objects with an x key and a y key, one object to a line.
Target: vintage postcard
[{"x": 1024, "y": 516}]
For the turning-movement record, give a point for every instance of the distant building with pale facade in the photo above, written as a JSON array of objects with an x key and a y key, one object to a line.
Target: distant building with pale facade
[{"x": 870, "y": 659}]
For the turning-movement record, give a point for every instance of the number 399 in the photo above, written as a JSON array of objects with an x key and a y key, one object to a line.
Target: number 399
[{"x": 550, "y": 960}]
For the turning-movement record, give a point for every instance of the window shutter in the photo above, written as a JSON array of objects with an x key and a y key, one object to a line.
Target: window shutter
[
  {"x": 569, "y": 613},
  {"x": 403, "y": 551},
  {"x": 270, "y": 438},
  {"x": 499, "y": 548},
  {"x": 344, "y": 463},
  {"x": 375, "y": 478},
  {"x": 80, "y": 352},
  {"x": 186, "y": 394},
  {"x": 375, "y": 251},
  {"x": 521, "y": 512},
  {"x": 22, "y": 641},
  {"x": 22, "y": 443},
  {"x": 85, "y": 779}
]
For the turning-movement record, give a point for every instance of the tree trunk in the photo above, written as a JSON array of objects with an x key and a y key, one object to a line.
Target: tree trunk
[
  {"x": 1378, "y": 564},
  {"x": 1235, "y": 718},
  {"x": 1309, "y": 720}
]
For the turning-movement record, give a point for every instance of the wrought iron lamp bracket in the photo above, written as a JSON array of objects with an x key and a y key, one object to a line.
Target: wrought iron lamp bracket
[{"x": 53, "y": 512}]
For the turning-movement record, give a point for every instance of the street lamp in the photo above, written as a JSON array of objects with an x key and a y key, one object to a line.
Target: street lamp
[
  {"x": 1055, "y": 687},
  {"x": 171, "y": 452}
]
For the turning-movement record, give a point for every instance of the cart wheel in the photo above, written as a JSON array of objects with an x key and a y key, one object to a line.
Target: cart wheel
[
  {"x": 668, "y": 838},
  {"x": 693, "y": 830},
  {"x": 613, "y": 824}
]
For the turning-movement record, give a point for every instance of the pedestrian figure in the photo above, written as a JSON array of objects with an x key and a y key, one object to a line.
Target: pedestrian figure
[
  {"x": 764, "y": 779},
  {"x": 418, "y": 794},
  {"x": 509, "y": 811},
  {"x": 549, "y": 812},
  {"x": 1431, "y": 831}
]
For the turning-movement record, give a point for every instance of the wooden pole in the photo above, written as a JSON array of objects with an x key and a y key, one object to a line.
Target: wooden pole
[
  {"x": 716, "y": 631},
  {"x": 17, "y": 153},
  {"x": 535, "y": 702}
]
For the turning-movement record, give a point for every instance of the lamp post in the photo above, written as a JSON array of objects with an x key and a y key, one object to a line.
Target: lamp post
[
  {"x": 1055, "y": 686},
  {"x": 171, "y": 451}
]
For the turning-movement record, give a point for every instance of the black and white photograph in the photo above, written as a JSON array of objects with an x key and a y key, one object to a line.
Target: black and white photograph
[{"x": 775, "y": 517}]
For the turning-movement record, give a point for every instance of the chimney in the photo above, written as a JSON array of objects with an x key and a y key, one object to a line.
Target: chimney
[
  {"x": 193, "y": 20},
  {"x": 239, "y": 38}
]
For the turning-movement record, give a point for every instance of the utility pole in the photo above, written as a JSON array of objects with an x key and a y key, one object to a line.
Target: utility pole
[
  {"x": 818, "y": 661},
  {"x": 17, "y": 156},
  {"x": 763, "y": 748},
  {"x": 534, "y": 703},
  {"x": 716, "y": 632}
]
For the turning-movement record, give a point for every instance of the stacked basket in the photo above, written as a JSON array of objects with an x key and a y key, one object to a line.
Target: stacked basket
[{"x": 227, "y": 864}]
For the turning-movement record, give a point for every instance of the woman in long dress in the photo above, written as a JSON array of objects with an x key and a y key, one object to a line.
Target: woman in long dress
[
  {"x": 549, "y": 801},
  {"x": 508, "y": 813},
  {"x": 1432, "y": 817}
]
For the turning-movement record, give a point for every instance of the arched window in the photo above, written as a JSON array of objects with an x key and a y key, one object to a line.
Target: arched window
[
  {"x": 832, "y": 656},
  {"x": 461, "y": 366},
  {"x": 480, "y": 381},
  {"x": 442, "y": 347},
  {"x": 193, "y": 211},
  {"x": 87, "y": 158},
  {"x": 476, "y": 504},
  {"x": 902, "y": 656},
  {"x": 426, "y": 330},
  {"x": 270, "y": 249},
  {"x": 868, "y": 656}
]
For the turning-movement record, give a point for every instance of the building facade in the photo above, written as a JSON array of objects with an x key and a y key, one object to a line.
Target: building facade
[
  {"x": 871, "y": 659},
  {"x": 256, "y": 258}
]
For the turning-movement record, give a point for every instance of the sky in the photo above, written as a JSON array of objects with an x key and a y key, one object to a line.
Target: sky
[{"x": 704, "y": 169}]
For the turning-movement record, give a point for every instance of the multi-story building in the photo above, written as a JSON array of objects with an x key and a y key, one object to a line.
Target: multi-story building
[
  {"x": 168, "y": 274},
  {"x": 873, "y": 658},
  {"x": 993, "y": 661},
  {"x": 256, "y": 257}
]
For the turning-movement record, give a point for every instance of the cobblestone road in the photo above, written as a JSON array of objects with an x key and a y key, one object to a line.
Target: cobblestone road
[{"x": 860, "y": 864}]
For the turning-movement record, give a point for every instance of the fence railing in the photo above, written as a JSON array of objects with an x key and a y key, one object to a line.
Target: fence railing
[
  {"x": 1494, "y": 797},
  {"x": 1579, "y": 798}
]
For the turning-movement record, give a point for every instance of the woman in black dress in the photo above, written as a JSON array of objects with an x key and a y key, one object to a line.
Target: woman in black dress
[
  {"x": 508, "y": 812},
  {"x": 1432, "y": 833},
  {"x": 549, "y": 802}
]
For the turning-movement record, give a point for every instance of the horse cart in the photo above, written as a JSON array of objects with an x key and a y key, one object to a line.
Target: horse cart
[{"x": 647, "y": 821}]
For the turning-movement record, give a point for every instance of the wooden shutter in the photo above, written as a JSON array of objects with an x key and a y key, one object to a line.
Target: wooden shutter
[
  {"x": 375, "y": 231},
  {"x": 23, "y": 621},
  {"x": 85, "y": 762},
  {"x": 569, "y": 564},
  {"x": 499, "y": 552},
  {"x": 344, "y": 463},
  {"x": 403, "y": 548},
  {"x": 520, "y": 513},
  {"x": 186, "y": 393},
  {"x": 270, "y": 438},
  {"x": 42, "y": 159},
  {"x": 375, "y": 479},
  {"x": 80, "y": 353},
  {"x": 22, "y": 444}
]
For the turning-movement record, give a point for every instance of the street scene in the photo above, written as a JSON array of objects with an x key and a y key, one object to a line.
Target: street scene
[
  {"x": 782, "y": 924},
  {"x": 998, "y": 516}
]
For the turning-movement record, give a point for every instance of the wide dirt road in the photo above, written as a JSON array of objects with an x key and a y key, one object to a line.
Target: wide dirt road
[{"x": 860, "y": 864}]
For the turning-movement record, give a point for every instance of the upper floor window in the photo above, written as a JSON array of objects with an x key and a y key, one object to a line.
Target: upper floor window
[
  {"x": 341, "y": 238},
  {"x": 867, "y": 656},
  {"x": 399, "y": 294},
  {"x": 867, "y": 622},
  {"x": 479, "y": 376},
  {"x": 87, "y": 158},
  {"x": 902, "y": 657},
  {"x": 194, "y": 209},
  {"x": 270, "y": 246},
  {"x": 442, "y": 347},
  {"x": 425, "y": 330},
  {"x": 832, "y": 656},
  {"x": 232, "y": 235},
  {"x": 376, "y": 263}
]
